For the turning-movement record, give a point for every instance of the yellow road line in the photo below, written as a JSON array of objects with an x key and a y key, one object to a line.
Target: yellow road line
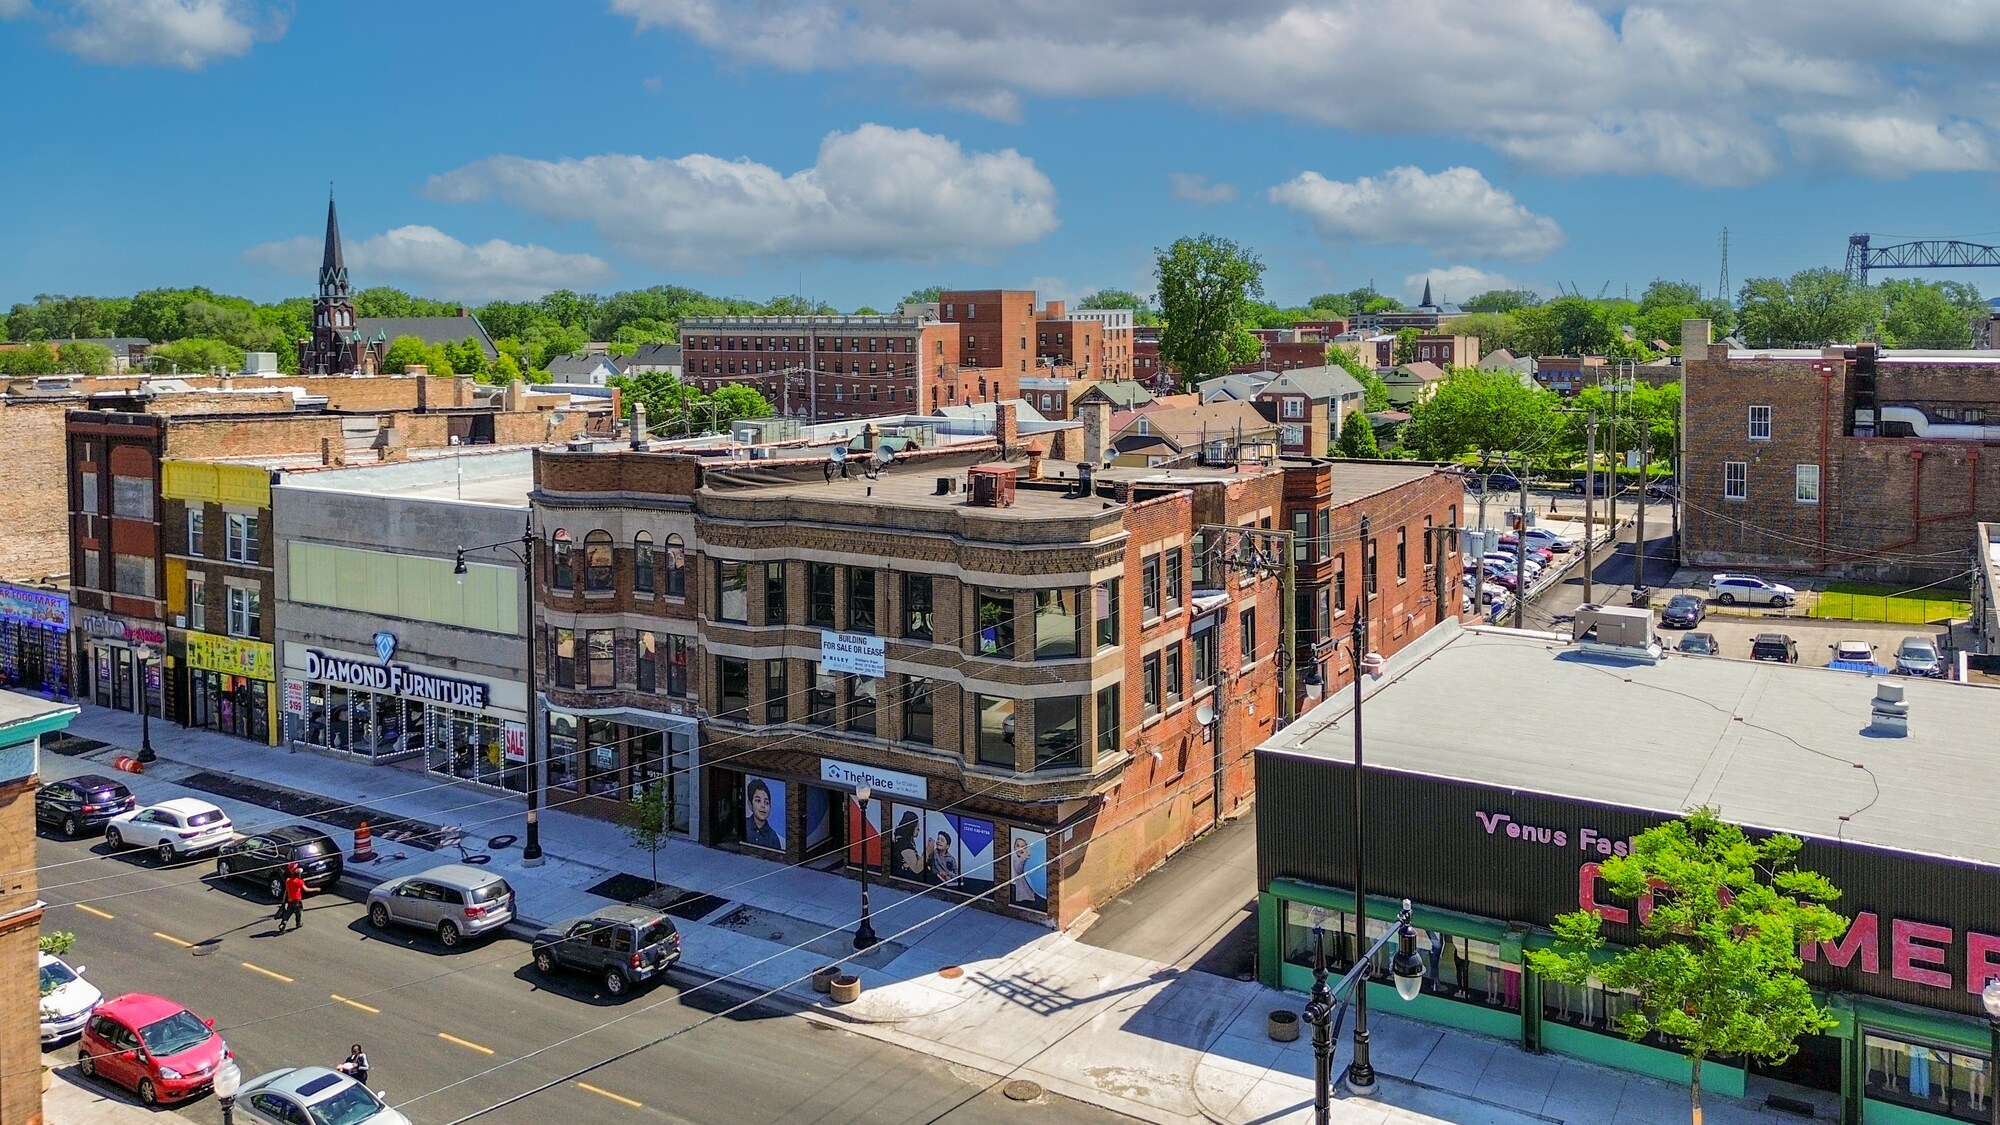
[
  {"x": 89, "y": 909},
  {"x": 175, "y": 940},
  {"x": 603, "y": 1093},
  {"x": 259, "y": 969},
  {"x": 466, "y": 1043},
  {"x": 356, "y": 1004}
]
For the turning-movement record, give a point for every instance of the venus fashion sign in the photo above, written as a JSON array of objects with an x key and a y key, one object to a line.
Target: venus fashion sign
[{"x": 396, "y": 679}]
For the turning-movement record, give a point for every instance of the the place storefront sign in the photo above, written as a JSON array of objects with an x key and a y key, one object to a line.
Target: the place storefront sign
[{"x": 396, "y": 678}]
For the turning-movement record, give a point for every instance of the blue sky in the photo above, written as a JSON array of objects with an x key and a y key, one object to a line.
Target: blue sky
[{"x": 862, "y": 149}]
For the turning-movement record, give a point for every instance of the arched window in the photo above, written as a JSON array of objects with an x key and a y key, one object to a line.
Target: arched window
[
  {"x": 565, "y": 574},
  {"x": 676, "y": 584},
  {"x": 597, "y": 560},
  {"x": 642, "y": 563}
]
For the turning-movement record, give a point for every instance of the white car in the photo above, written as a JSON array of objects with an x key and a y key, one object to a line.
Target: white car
[
  {"x": 67, "y": 1000},
  {"x": 1543, "y": 537},
  {"x": 1750, "y": 590},
  {"x": 177, "y": 828},
  {"x": 312, "y": 1093}
]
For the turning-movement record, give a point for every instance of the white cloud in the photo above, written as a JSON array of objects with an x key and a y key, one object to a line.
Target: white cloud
[
  {"x": 188, "y": 34},
  {"x": 1195, "y": 188},
  {"x": 875, "y": 193},
  {"x": 1706, "y": 91},
  {"x": 433, "y": 261},
  {"x": 1455, "y": 211},
  {"x": 1456, "y": 283}
]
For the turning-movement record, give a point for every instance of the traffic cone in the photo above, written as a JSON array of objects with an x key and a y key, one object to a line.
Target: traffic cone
[
  {"x": 364, "y": 844},
  {"x": 126, "y": 763}
]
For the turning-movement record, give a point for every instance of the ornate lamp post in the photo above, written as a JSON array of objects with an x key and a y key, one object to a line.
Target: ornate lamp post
[
  {"x": 228, "y": 1080},
  {"x": 1326, "y": 1003},
  {"x": 146, "y": 655},
  {"x": 864, "y": 934}
]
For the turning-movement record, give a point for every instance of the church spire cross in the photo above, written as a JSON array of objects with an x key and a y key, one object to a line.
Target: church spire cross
[{"x": 333, "y": 265}]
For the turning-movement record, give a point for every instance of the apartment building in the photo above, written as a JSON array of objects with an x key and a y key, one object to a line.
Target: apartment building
[
  {"x": 827, "y": 368},
  {"x": 1843, "y": 461}
]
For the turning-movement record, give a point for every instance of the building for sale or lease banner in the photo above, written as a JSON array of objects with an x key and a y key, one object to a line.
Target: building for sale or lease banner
[{"x": 1495, "y": 825}]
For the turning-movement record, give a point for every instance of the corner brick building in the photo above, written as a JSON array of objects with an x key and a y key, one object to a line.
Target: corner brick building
[{"x": 1848, "y": 462}]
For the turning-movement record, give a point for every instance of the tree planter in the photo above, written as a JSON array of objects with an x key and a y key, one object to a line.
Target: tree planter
[
  {"x": 822, "y": 979},
  {"x": 1283, "y": 1025},
  {"x": 845, "y": 989}
]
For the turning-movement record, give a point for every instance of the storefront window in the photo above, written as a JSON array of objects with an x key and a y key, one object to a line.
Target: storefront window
[
  {"x": 602, "y": 776},
  {"x": 1942, "y": 1080},
  {"x": 994, "y": 611},
  {"x": 918, "y": 711},
  {"x": 930, "y": 847},
  {"x": 1059, "y": 733},
  {"x": 1593, "y": 1007},
  {"x": 1057, "y": 624},
  {"x": 562, "y": 749},
  {"x": 996, "y": 731}
]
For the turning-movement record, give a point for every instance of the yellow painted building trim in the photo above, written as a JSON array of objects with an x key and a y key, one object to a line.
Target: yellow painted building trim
[
  {"x": 232, "y": 656},
  {"x": 246, "y": 486}
]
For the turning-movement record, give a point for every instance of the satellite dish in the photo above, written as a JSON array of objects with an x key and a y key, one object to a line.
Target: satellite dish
[
  {"x": 839, "y": 455},
  {"x": 1204, "y": 714},
  {"x": 884, "y": 454}
]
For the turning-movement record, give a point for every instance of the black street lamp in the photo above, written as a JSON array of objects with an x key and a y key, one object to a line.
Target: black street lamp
[
  {"x": 1989, "y": 998},
  {"x": 228, "y": 1080},
  {"x": 864, "y": 934},
  {"x": 1323, "y": 1008},
  {"x": 145, "y": 655},
  {"x": 523, "y": 549}
]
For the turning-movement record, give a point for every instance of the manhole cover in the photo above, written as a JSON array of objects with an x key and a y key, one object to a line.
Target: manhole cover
[
  {"x": 951, "y": 972},
  {"x": 204, "y": 948},
  {"x": 1022, "y": 1090}
]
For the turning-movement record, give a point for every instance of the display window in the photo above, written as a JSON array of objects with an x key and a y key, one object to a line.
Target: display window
[
  {"x": 936, "y": 849},
  {"x": 1466, "y": 970},
  {"x": 1947, "y": 1081}
]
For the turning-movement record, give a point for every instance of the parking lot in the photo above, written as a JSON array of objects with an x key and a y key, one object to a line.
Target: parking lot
[{"x": 1815, "y": 638}]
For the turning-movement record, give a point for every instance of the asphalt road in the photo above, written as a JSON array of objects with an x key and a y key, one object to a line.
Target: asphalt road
[
  {"x": 433, "y": 1021},
  {"x": 1614, "y": 569},
  {"x": 1198, "y": 910}
]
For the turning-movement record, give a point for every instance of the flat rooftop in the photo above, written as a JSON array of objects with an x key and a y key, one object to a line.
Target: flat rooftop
[
  {"x": 1354, "y": 481},
  {"x": 502, "y": 475},
  {"x": 1773, "y": 746}
]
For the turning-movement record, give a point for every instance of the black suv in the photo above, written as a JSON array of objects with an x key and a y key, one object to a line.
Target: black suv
[
  {"x": 623, "y": 945},
  {"x": 1774, "y": 646},
  {"x": 263, "y": 857},
  {"x": 84, "y": 803}
]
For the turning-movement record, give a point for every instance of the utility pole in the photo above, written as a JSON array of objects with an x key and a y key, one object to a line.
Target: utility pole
[
  {"x": 1360, "y": 1075},
  {"x": 1611, "y": 446},
  {"x": 1589, "y": 500},
  {"x": 1639, "y": 531},
  {"x": 1521, "y": 548}
]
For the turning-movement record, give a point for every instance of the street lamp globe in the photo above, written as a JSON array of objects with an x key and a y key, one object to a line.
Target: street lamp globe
[
  {"x": 862, "y": 793},
  {"x": 1989, "y": 997},
  {"x": 228, "y": 1079}
]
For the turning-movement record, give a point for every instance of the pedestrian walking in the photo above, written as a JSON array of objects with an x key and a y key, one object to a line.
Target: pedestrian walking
[
  {"x": 356, "y": 1066},
  {"x": 294, "y": 905}
]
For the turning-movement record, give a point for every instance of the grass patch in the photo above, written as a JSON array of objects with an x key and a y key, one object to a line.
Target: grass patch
[{"x": 1855, "y": 601}]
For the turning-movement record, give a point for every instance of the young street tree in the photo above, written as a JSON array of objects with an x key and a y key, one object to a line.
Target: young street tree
[
  {"x": 649, "y": 823},
  {"x": 1207, "y": 286},
  {"x": 1717, "y": 964}
]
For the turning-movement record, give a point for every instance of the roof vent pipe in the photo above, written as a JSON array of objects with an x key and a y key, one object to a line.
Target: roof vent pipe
[{"x": 1889, "y": 716}]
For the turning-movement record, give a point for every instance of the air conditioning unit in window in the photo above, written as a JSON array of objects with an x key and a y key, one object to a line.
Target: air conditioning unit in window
[{"x": 180, "y": 621}]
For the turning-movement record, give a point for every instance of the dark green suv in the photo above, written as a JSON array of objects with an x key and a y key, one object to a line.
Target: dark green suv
[{"x": 621, "y": 945}]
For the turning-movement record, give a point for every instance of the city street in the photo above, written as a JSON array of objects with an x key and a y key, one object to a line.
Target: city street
[{"x": 433, "y": 1021}]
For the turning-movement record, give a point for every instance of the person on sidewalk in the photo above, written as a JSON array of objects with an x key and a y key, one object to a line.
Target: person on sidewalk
[
  {"x": 294, "y": 906},
  {"x": 356, "y": 1066}
]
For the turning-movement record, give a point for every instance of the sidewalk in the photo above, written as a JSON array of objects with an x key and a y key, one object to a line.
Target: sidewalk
[
  {"x": 1005, "y": 997},
  {"x": 73, "y": 1100}
]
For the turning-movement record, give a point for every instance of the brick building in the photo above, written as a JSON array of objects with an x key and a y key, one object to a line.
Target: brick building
[
  {"x": 1843, "y": 462},
  {"x": 23, "y": 721},
  {"x": 829, "y": 367}
]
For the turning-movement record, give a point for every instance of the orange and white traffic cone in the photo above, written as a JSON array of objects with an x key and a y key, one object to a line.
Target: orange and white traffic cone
[{"x": 364, "y": 845}]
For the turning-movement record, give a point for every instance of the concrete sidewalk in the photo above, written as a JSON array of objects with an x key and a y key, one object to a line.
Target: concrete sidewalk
[
  {"x": 71, "y": 1099},
  {"x": 1006, "y": 997}
]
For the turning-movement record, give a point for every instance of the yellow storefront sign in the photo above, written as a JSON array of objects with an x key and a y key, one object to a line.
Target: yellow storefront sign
[{"x": 232, "y": 656}]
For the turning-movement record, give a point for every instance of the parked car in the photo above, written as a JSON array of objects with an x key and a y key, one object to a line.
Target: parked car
[
  {"x": 151, "y": 1046},
  {"x": 1606, "y": 485},
  {"x": 1505, "y": 579},
  {"x": 1496, "y": 482},
  {"x": 453, "y": 900},
  {"x": 1543, "y": 537},
  {"x": 622, "y": 945},
  {"x": 1683, "y": 611},
  {"x": 176, "y": 828},
  {"x": 1774, "y": 646},
  {"x": 1750, "y": 590},
  {"x": 262, "y": 857},
  {"x": 85, "y": 803},
  {"x": 1661, "y": 490},
  {"x": 1699, "y": 644},
  {"x": 1854, "y": 650},
  {"x": 67, "y": 999},
  {"x": 1541, "y": 555},
  {"x": 297, "y": 1094},
  {"x": 1918, "y": 656}
]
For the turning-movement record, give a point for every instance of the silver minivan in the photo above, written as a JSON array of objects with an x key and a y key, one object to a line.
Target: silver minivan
[{"x": 456, "y": 901}]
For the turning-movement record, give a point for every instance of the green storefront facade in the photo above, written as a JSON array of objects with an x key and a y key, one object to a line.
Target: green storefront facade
[{"x": 1910, "y": 1045}]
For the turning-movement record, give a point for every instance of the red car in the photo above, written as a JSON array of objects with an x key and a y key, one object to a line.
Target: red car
[{"x": 151, "y": 1046}]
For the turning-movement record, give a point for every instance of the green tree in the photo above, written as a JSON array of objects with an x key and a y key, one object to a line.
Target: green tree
[
  {"x": 922, "y": 296},
  {"x": 738, "y": 400},
  {"x": 867, "y": 310},
  {"x": 1717, "y": 965},
  {"x": 649, "y": 822},
  {"x": 402, "y": 352},
  {"x": 1485, "y": 412},
  {"x": 56, "y": 317},
  {"x": 1406, "y": 345},
  {"x": 1206, "y": 287},
  {"x": 1567, "y": 326},
  {"x": 1494, "y": 329},
  {"x": 57, "y": 942},
  {"x": 77, "y": 357},
  {"x": 382, "y": 300},
  {"x": 1807, "y": 310},
  {"x": 1331, "y": 304},
  {"x": 195, "y": 356},
  {"x": 35, "y": 359},
  {"x": 1357, "y": 438},
  {"x": 1375, "y": 393},
  {"x": 665, "y": 397},
  {"x": 502, "y": 371},
  {"x": 1142, "y": 313},
  {"x": 1925, "y": 314},
  {"x": 1502, "y": 301}
]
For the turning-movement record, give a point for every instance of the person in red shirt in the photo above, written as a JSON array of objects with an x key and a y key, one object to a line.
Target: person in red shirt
[{"x": 294, "y": 906}]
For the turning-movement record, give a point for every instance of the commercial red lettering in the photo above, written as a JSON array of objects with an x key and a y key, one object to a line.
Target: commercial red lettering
[
  {"x": 1586, "y": 895},
  {"x": 1982, "y": 959},
  {"x": 1908, "y": 959},
  {"x": 1863, "y": 934}
]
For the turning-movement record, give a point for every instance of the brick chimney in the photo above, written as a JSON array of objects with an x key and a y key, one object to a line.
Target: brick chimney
[
  {"x": 1035, "y": 455},
  {"x": 1096, "y": 431},
  {"x": 1006, "y": 427}
]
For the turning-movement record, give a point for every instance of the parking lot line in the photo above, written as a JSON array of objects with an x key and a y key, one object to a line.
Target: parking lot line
[
  {"x": 89, "y": 909},
  {"x": 175, "y": 940},
  {"x": 466, "y": 1043},
  {"x": 373, "y": 1011},
  {"x": 266, "y": 972},
  {"x": 603, "y": 1093}
]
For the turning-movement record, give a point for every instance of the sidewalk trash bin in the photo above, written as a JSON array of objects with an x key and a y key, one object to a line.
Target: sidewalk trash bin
[
  {"x": 823, "y": 978},
  {"x": 1284, "y": 1025},
  {"x": 845, "y": 989}
]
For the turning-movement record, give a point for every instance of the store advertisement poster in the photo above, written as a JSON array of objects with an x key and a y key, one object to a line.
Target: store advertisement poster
[
  {"x": 975, "y": 851},
  {"x": 1027, "y": 870},
  {"x": 819, "y": 817},
  {"x": 763, "y": 812}
]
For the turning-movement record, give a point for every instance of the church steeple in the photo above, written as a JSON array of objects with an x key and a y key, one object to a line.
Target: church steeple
[
  {"x": 1427, "y": 281},
  {"x": 333, "y": 265}
]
